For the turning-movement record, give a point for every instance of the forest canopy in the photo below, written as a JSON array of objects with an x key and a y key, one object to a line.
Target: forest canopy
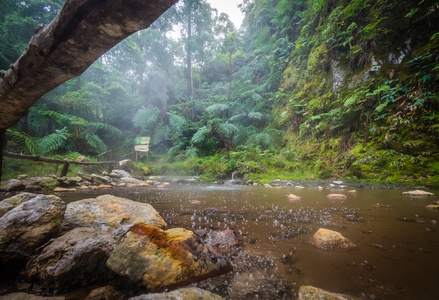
[{"x": 304, "y": 89}]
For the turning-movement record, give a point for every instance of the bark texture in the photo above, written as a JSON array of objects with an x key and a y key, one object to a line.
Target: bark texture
[{"x": 79, "y": 35}]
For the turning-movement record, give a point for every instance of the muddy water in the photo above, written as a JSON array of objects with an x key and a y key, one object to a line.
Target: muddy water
[{"x": 398, "y": 241}]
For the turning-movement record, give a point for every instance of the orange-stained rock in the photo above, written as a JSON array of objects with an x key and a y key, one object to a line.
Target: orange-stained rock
[
  {"x": 331, "y": 240},
  {"x": 156, "y": 259}
]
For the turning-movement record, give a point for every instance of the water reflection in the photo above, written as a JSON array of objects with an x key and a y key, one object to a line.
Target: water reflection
[{"x": 397, "y": 238}]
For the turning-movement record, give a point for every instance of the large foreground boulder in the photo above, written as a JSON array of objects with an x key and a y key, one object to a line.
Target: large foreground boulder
[
  {"x": 180, "y": 294},
  {"x": 156, "y": 259},
  {"x": 307, "y": 292},
  {"x": 77, "y": 258},
  {"x": 110, "y": 213},
  {"x": 29, "y": 225},
  {"x": 331, "y": 240}
]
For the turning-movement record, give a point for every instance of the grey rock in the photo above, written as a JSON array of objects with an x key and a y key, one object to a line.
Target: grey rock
[
  {"x": 119, "y": 174},
  {"x": 75, "y": 259},
  {"x": 180, "y": 294},
  {"x": 12, "y": 185},
  {"x": 110, "y": 213},
  {"x": 12, "y": 202},
  {"x": 29, "y": 225}
]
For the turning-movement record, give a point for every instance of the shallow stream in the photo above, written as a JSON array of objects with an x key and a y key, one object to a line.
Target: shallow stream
[{"x": 398, "y": 240}]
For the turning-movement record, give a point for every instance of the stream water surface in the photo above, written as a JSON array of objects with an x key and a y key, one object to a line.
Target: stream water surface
[{"x": 398, "y": 240}]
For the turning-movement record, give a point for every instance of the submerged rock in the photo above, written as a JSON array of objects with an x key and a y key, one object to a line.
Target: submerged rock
[
  {"x": 75, "y": 259},
  {"x": 418, "y": 193},
  {"x": 293, "y": 197},
  {"x": 307, "y": 292},
  {"x": 12, "y": 185},
  {"x": 110, "y": 213},
  {"x": 433, "y": 206},
  {"x": 156, "y": 259},
  {"x": 29, "y": 225},
  {"x": 26, "y": 296},
  {"x": 331, "y": 240},
  {"x": 336, "y": 196},
  {"x": 221, "y": 242},
  {"x": 105, "y": 293},
  {"x": 180, "y": 294}
]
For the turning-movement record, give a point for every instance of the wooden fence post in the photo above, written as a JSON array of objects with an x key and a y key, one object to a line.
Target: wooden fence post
[{"x": 65, "y": 170}]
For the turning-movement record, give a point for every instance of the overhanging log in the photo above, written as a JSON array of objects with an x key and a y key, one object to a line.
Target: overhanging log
[{"x": 64, "y": 49}]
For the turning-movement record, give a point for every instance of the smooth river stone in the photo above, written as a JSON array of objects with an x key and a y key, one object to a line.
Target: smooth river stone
[
  {"x": 293, "y": 197},
  {"x": 331, "y": 240},
  {"x": 418, "y": 193},
  {"x": 336, "y": 196}
]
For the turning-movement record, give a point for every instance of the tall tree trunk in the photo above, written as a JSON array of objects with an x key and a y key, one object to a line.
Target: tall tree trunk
[
  {"x": 230, "y": 77},
  {"x": 190, "y": 81}
]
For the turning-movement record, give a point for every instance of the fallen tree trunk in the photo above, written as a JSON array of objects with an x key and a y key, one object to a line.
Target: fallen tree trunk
[
  {"x": 79, "y": 35},
  {"x": 66, "y": 163}
]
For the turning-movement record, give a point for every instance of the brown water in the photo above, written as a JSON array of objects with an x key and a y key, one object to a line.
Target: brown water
[{"x": 398, "y": 255}]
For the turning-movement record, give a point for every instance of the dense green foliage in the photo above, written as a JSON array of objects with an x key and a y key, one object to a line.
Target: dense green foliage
[{"x": 305, "y": 88}]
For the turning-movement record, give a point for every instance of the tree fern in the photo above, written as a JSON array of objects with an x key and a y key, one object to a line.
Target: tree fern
[
  {"x": 95, "y": 142},
  {"x": 23, "y": 140},
  {"x": 191, "y": 152},
  {"x": 216, "y": 110},
  {"x": 160, "y": 134},
  {"x": 177, "y": 122},
  {"x": 200, "y": 135},
  {"x": 146, "y": 117},
  {"x": 107, "y": 127},
  {"x": 53, "y": 141}
]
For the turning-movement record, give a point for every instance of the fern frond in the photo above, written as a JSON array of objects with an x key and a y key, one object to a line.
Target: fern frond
[
  {"x": 200, "y": 135},
  {"x": 23, "y": 140},
  {"x": 255, "y": 115},
  {"x": 53, "y": 141},
  {"x": 177, "y": 122},
  {"x": 191, "y": 152},
  {"x": 146, "y": 117},
  {"x": 217, "y": 109},
  {"x": 160, "y": 134},
  {"x": 107, "y": 127},
  {"x": 95, "y": 142}
]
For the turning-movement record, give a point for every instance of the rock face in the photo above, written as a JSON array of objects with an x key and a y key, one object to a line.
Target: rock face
[
  {"x": 25, "y": 296},
  {"x": 29, "y": 225},
  {"x": 110, "y": 213},
  {"x": 12, "y": 185},
  {"x": 157, "y": 259},
  {"x": 418, "y": 193},
  {"x": 185, "y": 293},
  {"x": 75, "y": 259},
  {"x": 307, "y": 292},
  {"x": 9, "y": 203},
  {"x": 331, "y": 240}
]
